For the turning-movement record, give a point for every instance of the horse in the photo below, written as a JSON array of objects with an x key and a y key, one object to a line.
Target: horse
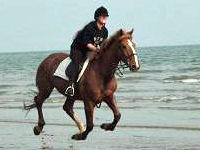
[{"x": 98, "y": 83}]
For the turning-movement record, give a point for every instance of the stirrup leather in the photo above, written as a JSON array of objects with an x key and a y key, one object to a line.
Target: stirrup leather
[{"x": 83, "y": 69}]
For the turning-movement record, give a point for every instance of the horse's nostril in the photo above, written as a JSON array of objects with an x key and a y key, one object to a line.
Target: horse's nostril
[{"x": 133, "y": 66}]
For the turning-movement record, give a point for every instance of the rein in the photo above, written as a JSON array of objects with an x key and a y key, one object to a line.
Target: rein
[
  {"x": 122, "y": 66},
  {"x": 120, "y": 69}
]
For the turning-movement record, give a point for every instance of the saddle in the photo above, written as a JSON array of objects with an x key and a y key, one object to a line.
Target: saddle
[{"x": 67, "y": 70}]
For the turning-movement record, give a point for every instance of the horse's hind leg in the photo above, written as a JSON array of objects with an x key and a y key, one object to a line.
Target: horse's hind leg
[
  {"x": 111, "y": 102},
  {"x": 43, "y": 94},
  {"x": 68, "y": 108},
  {"x": 89, "y": 111}
]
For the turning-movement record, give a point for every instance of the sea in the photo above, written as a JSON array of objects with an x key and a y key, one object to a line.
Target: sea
[{"x": 160, "y": 104}]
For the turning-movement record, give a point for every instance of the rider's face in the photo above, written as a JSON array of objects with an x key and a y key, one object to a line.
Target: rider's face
[{"x": 103, "y": 19}]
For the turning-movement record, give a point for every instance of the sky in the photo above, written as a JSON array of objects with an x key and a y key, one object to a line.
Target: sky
[{"x": 39, "y": 25}]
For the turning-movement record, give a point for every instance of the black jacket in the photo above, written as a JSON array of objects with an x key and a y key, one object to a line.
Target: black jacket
[{"x": 89, "y": 34}]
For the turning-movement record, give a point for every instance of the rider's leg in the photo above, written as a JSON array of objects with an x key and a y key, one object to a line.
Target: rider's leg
[
  {"x": 76, "y": 56},
  {"x": 90, "y": 56},
  {"x": 70, "y": 89}
]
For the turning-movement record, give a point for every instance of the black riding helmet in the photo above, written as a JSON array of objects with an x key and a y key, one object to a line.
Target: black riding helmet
[{"x": 100, "y": 11}]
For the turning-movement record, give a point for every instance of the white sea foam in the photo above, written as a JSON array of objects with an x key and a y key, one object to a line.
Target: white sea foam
[
  {"x": 168, "y": 98},
  {"x": 190, "y": 80}
]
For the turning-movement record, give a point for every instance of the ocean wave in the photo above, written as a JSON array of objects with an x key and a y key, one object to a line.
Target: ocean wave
[
  {"x": 180, "y": 108},
  {"x": 129, "y": 78},
  {"x": 185, "y": 99},
  {"x": 183, "y": 79},
  {"x": 196, "y": 69},
  {"x": 3, "y": 86},
  {"x": 168, "y": 98},
  {"x": 3, "y": 92},
  {"x": 151, "y": 71},
  {"x": 190, "y": 80}
]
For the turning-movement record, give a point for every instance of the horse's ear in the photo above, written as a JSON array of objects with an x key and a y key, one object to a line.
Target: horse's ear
[
  {"x": 121, "y": 32},
  {"x": 131, "y": 32}
]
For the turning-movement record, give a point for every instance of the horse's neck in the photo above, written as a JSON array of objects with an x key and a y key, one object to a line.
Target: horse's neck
[{"x": 108, "y": 62}]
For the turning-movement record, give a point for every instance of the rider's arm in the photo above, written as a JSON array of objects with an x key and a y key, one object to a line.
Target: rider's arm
[
  {"x": 106, "y": 34},
  {"x": 87, "y": 37},
  {"x": 91, "y": 47}
]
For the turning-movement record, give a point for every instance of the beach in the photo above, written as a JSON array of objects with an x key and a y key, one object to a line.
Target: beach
[{"x": 159, "y": 105}]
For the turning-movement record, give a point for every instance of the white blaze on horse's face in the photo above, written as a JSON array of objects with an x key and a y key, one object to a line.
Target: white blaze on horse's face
[{"x": 134, "y": 54}]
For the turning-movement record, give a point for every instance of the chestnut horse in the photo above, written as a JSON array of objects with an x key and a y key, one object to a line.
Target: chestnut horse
[{"x": 97, "y": 84}]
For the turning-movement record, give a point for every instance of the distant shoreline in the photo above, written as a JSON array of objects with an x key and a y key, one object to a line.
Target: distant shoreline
[{"x": 43, "y": 51}]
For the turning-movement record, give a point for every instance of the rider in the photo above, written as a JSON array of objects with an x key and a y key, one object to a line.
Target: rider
[{"x": 86, "y": 44}]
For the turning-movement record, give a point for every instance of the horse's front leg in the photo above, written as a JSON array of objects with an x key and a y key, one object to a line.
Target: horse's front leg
[
  {"x": 111, "y": 102},
  {"x": 89, "y": 111}
]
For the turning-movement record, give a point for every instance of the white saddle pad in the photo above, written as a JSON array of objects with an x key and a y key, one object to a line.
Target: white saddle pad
[{"x": 60, "y": 71}]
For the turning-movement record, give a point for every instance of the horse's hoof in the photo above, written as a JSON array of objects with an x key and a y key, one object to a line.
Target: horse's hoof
[
  {"x": 78, "y": 137},
  {"x": 36, "y": 130},
  {"x": 108, "y": 126}
]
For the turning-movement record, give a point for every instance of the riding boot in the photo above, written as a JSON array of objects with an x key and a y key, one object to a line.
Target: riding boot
[{"x": 72, "y": 81}]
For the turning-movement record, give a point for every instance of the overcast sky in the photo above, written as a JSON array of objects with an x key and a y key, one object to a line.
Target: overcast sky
[{"x": 32, "y": 25}]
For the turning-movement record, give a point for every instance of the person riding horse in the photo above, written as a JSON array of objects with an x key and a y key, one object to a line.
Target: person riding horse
[{"x": 86, "y": 44}]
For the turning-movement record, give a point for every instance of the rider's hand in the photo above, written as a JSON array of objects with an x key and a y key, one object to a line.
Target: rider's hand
[
  {"x": 98, "y": 47},
  {"x": 97, "y": 50},
  {"x": 91, "y": 47}
]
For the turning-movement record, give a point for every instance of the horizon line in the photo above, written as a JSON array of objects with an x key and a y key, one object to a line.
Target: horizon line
[{"x": 156, "y": 46}]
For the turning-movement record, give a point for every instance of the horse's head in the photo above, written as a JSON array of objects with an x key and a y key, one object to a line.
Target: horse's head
[{"x": 126, "y": 48}]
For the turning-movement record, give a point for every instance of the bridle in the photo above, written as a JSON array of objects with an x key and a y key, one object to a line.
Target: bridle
[{"x": 123, "y": 63}]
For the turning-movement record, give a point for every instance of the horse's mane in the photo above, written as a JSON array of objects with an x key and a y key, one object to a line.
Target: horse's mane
[
  {"x": 119, "y": 35},
  {"x": 106, "y": 43}
]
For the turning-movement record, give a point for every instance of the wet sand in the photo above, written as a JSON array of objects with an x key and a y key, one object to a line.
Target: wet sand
[{"x": 139, "y": 128}]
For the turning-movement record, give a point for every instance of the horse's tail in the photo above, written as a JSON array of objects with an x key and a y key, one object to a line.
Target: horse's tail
[
  {"x": 29, "y": 107},
  {"x": 44, "y": 78}
]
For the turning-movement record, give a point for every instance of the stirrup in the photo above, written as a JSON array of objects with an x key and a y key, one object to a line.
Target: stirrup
[{"x": 71, "y": 87}]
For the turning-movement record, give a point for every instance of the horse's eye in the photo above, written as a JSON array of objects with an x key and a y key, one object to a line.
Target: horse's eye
[{"x": 123, "y": 47}]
